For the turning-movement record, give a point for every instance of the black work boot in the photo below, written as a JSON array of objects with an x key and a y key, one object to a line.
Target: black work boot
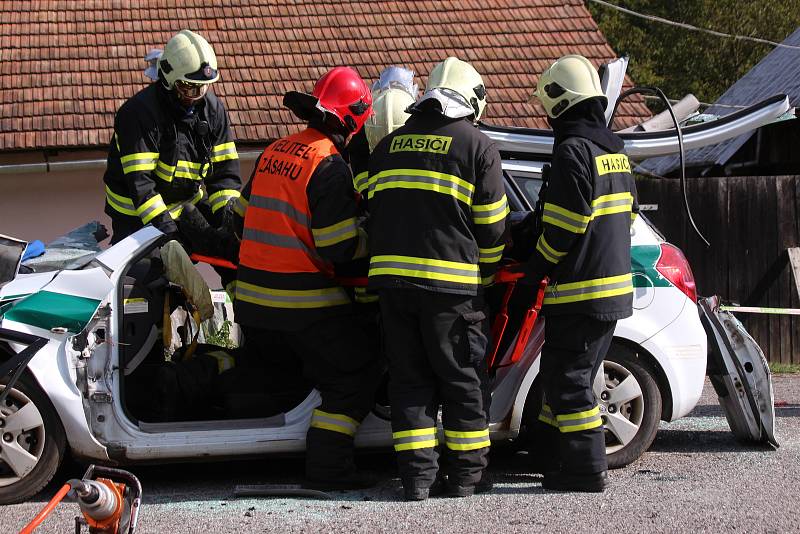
[
  {"x": 484, "y": 485},
  {"x": 587, "y": 482},
  {"x": 419, "y": 493}
]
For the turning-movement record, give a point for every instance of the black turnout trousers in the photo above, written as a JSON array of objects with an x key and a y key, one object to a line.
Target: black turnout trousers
[
  {"x": 574, "y": 349},
  {"x": 436, "y": 347},
  {"x": 338, "y": 359}
]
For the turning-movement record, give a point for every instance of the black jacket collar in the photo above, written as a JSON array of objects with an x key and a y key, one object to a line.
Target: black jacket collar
[{"x": 587, "y": 120}]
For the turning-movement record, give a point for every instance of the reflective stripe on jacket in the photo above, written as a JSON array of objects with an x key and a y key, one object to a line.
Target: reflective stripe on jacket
[
  {"x": 585, "y": 243},
  {"x": 437, "y": 207},
  {"x": 158, "y": 159}
]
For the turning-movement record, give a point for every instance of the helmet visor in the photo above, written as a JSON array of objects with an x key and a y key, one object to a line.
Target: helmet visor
[{"x": 205, "y": 74}]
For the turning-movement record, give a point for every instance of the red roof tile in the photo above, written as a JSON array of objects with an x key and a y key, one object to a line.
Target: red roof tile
[{"x": 65, "y": 67}]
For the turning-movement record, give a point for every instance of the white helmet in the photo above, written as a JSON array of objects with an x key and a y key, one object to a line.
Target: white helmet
[
  {"x": 187, "y": 58},
  {"x": 455, "y": 78},
  {"x": 571, "y": 79},
  {"x": 392, "y": 94}
]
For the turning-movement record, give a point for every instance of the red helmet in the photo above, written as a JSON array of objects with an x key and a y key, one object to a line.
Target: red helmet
[{"x": 341, "y": 91}]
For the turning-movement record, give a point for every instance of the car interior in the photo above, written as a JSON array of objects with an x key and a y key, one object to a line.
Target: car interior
[{"x": 195, "y": 381}]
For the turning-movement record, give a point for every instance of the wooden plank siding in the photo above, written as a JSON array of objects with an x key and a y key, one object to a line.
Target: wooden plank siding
[{"x": 750, "y": 222}]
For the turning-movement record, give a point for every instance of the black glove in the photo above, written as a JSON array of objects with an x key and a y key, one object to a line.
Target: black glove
[
  {"x": 532, "y": 274},
  {"x": 524, "y": 234},
  {"x": 204, "y": 238},
  {"x": 194, "y": 229}
]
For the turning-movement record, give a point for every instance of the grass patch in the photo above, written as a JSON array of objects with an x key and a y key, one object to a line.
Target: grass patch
[
  {"x": 783, "y": 368},
  {"x": 222, "y": 337}
]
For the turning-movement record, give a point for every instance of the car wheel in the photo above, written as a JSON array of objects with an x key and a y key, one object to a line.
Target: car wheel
[
  {"x": 32, "y": 442},
  {"x": 630, "y": 404}
]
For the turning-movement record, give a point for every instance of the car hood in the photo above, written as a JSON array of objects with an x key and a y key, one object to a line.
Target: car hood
[{"x": 64, "y": 300}]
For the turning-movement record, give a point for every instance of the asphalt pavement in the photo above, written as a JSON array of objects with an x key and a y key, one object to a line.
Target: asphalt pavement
[{"x": 695, "y": 478}]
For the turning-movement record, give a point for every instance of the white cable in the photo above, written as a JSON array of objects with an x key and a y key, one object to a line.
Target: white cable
[{"x": 694, "y": 28}]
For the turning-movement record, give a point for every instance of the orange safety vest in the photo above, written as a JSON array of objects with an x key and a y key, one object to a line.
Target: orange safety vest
[{"x": 277, "y": 225}]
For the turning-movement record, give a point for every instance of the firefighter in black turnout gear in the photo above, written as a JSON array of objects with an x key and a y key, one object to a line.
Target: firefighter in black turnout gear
[
  {"x": 172, "y": 146},
  {"x": 584, "y": 249},
  {"x": 437, "y": 230},
  {"x": 299, "y": 219}
]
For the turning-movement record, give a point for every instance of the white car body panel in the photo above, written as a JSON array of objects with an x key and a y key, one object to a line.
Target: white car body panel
[
  {"x": 681, "y": 351},
  {"x": 25, "y": 284},
  {"x": 56, "y": 375}
]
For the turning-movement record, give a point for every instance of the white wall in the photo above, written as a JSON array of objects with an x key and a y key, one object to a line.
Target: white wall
[{"x": 46, "y": 205}]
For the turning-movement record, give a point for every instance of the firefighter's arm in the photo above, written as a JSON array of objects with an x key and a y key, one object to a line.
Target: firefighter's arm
[
  {"x": 334, "y": 212},
  {"x": 489, "y": 213},
  {"x": 224, "y": 180},
  {"x": 359, "y": 162},
  {"x": 240, "y": 203},
  {"x": 137, "y": 140},
  {"x": 567, "y": 211}
]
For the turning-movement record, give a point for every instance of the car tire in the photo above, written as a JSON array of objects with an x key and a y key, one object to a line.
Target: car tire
[
  {"x": 642, "y": 412},
  {"x": 45, "y": 443},
  {"x": 630, "y": 404}
]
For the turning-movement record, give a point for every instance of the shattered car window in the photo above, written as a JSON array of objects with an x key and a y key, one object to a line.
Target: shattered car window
[{"x": 71, "y": 251}]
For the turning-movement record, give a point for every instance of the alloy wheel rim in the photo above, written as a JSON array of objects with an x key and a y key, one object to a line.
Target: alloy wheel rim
[
  {"x": 621, "y": 402},
  {"x": 22, "y": 437}
]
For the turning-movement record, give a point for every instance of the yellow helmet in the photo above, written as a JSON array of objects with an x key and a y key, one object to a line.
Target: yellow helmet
[
  {"x": 460, "y": 77},
  {"x": 187, "y": 58},
  {"x": 389, "y": 108},
  {"x": 571, "y": 79}
]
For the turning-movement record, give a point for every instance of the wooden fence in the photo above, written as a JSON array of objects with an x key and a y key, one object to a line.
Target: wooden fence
[{"x": 750, "y": 222}]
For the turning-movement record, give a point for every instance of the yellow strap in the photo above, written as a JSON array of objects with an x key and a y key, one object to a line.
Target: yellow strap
[
  {"x": 578, "y": 415},
  {"x": 426, "y": 261},
  {"x": 427, "y": 444},
  {"x": 467, "y": 433},
  {"x": 413, "y": 433},
  {"x": 550, "y": 254},
  {"x": 467, "y": 446},
  {"x": 591, "y": 283},
  {"x": 335, "y": 233},
  {"x": 489, "y": 207},
  {"x": 158, "y": 207}
]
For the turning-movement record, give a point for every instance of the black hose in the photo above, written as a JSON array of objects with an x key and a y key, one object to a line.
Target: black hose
[{"x": 660, "y": 94}]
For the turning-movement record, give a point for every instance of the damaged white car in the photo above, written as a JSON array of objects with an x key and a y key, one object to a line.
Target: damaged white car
[{"x": 83, "y": 368}]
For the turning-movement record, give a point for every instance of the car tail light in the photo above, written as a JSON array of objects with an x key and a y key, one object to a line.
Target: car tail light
[{"x": 673, "y": 266}]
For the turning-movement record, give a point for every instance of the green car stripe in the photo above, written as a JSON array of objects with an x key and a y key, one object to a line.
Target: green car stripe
[
  {"x": 643, "y": 261},
  {"x": 47, "y": 310}
]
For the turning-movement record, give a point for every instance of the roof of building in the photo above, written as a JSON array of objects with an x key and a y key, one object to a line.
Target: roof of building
[
  {"x": 65, "y": 67},
  {"x": 778, "y": 72}
]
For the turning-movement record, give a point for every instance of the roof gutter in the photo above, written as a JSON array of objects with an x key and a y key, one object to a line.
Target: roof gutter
[{"x": 83, "y": 165}]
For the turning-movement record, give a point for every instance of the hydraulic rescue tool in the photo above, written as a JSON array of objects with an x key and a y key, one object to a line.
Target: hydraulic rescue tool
[
  {"x": 501, "y": 320},
  {"x": 109, "y": 500}
]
